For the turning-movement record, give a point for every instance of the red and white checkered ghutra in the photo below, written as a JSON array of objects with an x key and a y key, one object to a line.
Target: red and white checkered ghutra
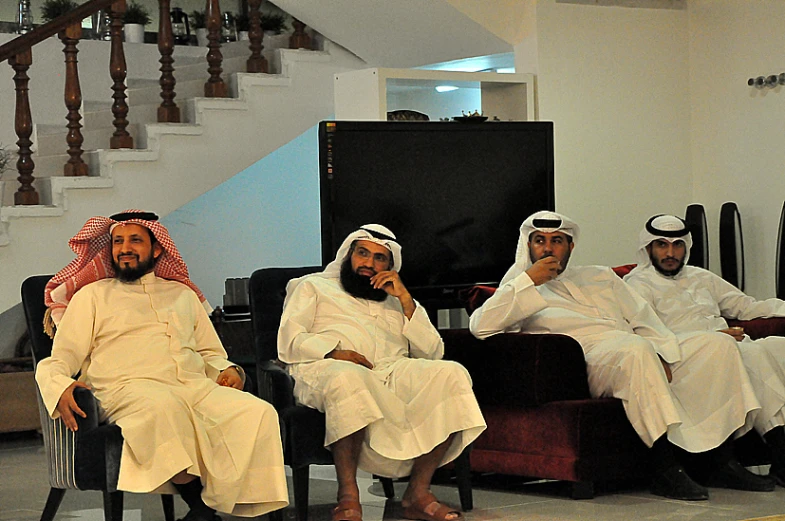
[{"x": 93, "y": 248}]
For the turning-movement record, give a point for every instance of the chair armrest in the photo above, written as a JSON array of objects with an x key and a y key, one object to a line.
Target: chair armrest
[
  {"x": 520, "y": 369},
  {"x": 761, "y": 327},
  {"x": 86, "y": 401},
  {"x": 275, "y": 385}
]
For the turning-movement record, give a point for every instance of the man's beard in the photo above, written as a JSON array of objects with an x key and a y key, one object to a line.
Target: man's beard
[
  {"x": 129, "y": 274},
  {"x": 358, "y": 285},
  {"x": 667, "y": 273}
]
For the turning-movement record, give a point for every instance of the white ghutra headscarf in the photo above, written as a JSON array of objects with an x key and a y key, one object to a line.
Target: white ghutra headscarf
[
  {"x": 545, "y": 222},
  {"x": 662, "y": 227},
  {"x": 368, "y": 232}
]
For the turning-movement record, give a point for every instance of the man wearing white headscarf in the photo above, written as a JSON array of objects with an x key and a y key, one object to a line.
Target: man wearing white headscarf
[
  {"x": 362, "y": 351},
  {"x": 670, "y": 394},
  {"x": 691, "y": 300}
]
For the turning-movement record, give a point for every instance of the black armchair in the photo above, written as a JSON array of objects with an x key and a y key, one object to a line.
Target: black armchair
[
  {"x": 302, "y": 428},
  {"x": 88, "y": 459}
]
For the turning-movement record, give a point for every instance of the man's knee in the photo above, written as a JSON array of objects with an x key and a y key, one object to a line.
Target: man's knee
[
  {"x": 347, "y": 378},
  {"x": 639, "y": 349}
]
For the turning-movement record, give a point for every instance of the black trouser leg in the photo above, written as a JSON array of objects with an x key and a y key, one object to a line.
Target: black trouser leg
[{"x": 191, "y": 493}]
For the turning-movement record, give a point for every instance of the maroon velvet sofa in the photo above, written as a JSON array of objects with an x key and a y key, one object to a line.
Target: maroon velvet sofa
[{"x": 542, "y": 421}]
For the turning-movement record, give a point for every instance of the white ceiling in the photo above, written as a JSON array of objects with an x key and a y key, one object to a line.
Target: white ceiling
[{"x": 398, "y": 33}]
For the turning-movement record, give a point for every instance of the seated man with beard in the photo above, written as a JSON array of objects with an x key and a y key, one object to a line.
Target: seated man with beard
[
  {"x": 133, "y": 325},
  {"x": 363, "y": 351}
]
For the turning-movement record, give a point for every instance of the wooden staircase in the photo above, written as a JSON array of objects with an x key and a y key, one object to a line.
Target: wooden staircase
[{"x": 173, "y": 163}]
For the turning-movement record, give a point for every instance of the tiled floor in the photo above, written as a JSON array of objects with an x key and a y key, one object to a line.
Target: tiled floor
[{"x": 24, "y": 487}]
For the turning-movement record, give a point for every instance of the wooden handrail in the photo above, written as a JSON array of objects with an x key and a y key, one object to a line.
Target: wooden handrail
[
  {"x": 41, "y": 33},
  {"x": 19, "y": 54}
]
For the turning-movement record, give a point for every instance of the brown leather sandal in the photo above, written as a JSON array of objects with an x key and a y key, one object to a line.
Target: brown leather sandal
[
  {"x": 348, "y": 509},
  {"x": 428, "y": 508}
]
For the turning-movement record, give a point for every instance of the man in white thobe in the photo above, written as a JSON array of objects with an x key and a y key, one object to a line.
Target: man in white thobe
[
  {"x": 691, "y": 300},
  {"x": 670, "y": 394},
  {"x": 146, "y": 347},
  {"x": 362, "y": 351}
]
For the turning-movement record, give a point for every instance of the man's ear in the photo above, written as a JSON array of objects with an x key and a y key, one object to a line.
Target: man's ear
[
  {"x": 157, "y": 250},
  {"x": 572, "y": 246}
]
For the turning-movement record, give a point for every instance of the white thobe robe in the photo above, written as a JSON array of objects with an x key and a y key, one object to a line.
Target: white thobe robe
[
  {"x": 151, "y": 356},
  {"x": 410, "y": 401},
  {"x": 621, "y": 337},
  {"x": 697, "y": 300}
]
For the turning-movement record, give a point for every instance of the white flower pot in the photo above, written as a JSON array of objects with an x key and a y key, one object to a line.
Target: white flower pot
[
  {"x": 134, "y": 33},
  {"x": 201, "y": 37}
]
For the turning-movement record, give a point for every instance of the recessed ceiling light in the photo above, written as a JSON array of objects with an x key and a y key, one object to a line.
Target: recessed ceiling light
[{"x": 445, "y": 88}]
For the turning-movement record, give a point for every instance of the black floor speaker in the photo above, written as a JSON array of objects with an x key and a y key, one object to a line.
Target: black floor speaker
[{"x": 731, "y": 245}]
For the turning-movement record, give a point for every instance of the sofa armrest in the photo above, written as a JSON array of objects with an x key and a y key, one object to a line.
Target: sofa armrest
[
  {"x": 520, "y": 369},
  {"x": 761, "y": 327},
  {"x": 275, "y": 385}
]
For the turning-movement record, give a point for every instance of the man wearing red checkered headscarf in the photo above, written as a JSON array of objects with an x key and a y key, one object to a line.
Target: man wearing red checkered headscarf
[{"x": 135, "y": 329}]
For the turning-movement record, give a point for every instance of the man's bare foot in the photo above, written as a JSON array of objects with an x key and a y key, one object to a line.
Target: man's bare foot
[{"x": 427, "y": 508}]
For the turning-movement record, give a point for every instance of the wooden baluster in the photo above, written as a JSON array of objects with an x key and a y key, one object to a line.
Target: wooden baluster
[
  {"x": 73, "y": 102},
  {"x": 168, "y": 111},
  {"x": 257, "y": 62},
  {"x": 299, "y": 38},
  {"x": 23, "y": 123},
  {"x": 117, "y": 70},
  {"x": 215, "y": 86}
]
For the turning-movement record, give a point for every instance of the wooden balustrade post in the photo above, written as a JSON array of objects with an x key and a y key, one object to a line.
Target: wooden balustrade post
[
  {"x": 257, "y": 62},
  {"x": 23, "y": 124},
  {"x": 215, "y": 86},
  {"x": 168, "y": 111},
  {"x": 117, "y": 70},
  {"x": 73, "y": 102},
  {"x": 299, "y": 38}
]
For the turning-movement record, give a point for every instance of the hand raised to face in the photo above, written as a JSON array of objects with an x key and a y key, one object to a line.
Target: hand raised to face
[
  {"x": 390, "y": 282},
  {"x": 543, "y": 270}
]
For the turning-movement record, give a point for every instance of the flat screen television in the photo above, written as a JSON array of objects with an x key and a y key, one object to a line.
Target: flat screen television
[{"x": 455, "y": 194}]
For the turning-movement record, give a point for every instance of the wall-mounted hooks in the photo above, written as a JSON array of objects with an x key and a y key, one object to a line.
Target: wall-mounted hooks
[{"x": 767, "y": 81}]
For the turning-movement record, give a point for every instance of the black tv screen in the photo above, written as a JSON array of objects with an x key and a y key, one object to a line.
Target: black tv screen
[{"x": 455, "y": 194}]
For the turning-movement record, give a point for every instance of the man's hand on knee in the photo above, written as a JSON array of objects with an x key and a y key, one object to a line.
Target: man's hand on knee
[
  {"x": 230, "y": 377},
  {"x": 67, "y": 406},
  {"x": 349, "y": 356},
  {"x": 736, "y": 332}
]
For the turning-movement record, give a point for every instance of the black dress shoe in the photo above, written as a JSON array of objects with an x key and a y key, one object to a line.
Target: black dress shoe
[
  {"x": 193, "y": 516},
  {"x": 674, "y": 483},
  {"x": 777, "y": 473},
  {"x": 733, "y": 475}
]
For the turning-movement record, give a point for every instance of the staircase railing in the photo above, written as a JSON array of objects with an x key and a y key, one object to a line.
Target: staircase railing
[{"x": 19, "y": 54}]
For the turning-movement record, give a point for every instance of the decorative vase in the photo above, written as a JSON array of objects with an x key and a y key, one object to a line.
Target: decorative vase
[
  {"x": 134, "y": 33},
  {"x": 201, "y": 37}
]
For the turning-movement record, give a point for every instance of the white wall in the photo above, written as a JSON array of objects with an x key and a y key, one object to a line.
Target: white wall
[
  {"x": 615, "y": 83},
  {"x": 737, "y": 131},
  {"x": 267, "y": 215}
]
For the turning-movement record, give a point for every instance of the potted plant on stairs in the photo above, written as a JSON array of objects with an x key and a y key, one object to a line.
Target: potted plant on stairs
[
  {"x": 199, "y": 24},
  {"x": 135, "y": 18},
  {"x": 52, "y": 9}
]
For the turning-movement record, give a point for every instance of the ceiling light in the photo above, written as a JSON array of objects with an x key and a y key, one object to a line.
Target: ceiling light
[{"x": 445, "y": 88}]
